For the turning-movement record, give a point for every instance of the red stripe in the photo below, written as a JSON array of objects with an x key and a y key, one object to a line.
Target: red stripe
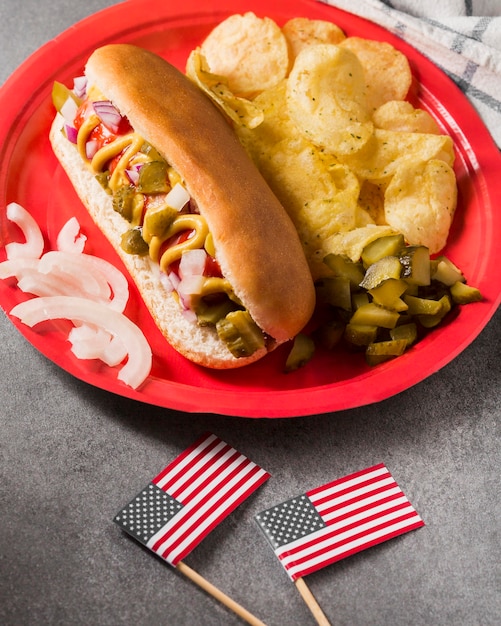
[
  {"x": 335, "y": 532},
  {"x": 181, "y": 471},
  {"x": 216, "y": 486},
  {"x": 381, "y": 500},
  {"x": 308, "y": 570},
  {"x": 209, "y": 467},
  {"x": 360, "y": 535},
  {"x": 345, "y": 479},
  {"x": 179, "y": 458},
  {"x": 224, "y": 513}
]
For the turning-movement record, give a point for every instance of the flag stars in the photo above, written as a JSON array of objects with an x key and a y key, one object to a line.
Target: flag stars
[
  {"x": 289, "y": 521},
  {"x": 150, "y": 510}
]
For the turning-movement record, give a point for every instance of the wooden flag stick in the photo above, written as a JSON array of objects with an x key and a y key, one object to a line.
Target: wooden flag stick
[
  {"x": 218, "y": 594},
  {"x": 311, "y": 602}
]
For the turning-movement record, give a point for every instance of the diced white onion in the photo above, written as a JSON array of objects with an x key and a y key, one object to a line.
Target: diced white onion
[
  {"x": 34, "y": 243},
  {"x": 193, "y": 263},
  {"x": 91, "y": 147},
  {"x": 138, "y": 365},
  {"x": 177, "y": 197},
  {"x": 191, "y": 286},
  {"x": 69, "y": 110},
  {"x": 80, "y": 86},
  {"x": 70, "y": 239}
]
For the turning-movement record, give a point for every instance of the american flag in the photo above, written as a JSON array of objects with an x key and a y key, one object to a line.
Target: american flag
[
  {"x": 191, "y": 496},
  {"x": 338, "y": 519}
]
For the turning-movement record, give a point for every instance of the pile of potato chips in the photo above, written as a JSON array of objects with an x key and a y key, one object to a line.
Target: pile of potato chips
[{"x": 326, "y": 120}]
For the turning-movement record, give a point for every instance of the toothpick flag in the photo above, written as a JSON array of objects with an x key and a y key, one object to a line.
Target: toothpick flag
[
  {"x": 190, "y": 497},
  {"x": 338, "y": 519}
]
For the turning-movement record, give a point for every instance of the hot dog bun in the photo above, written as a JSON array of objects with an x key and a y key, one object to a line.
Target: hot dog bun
[{"x": 256, "y": 244}]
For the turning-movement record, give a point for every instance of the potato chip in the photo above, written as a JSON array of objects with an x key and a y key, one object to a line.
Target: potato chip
[
  {"x": 352, "y": 243},
  {"x": 301, "y": 32},
  {"x": 420, "y": 202},
  {"x": 371, "y": 201},
  {"x": 326, "y": 99},
  {"x": 251, "y": 52},
  {"x": 388, "y": 150},
  {"x": 319, "y": 195},
  {"x": 400, "y": 115},
  {"x": 276, "y": 124},
  {"x": 240, "y": 110},
  {"x": 387, "y": 71}
]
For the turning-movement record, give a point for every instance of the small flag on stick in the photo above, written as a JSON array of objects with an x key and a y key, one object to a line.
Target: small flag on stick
[
  {"x": 188, "y": 499},
  {"x": 337, "y": 520}
]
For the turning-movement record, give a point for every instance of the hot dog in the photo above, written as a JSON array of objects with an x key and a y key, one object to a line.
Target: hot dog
[{"x": 213, "y": 253}]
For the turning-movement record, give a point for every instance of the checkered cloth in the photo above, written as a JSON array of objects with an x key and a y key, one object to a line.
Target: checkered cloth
[{"x": 462, "y": 37}]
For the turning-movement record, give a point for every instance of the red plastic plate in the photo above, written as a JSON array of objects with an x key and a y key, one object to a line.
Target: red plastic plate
[{"x": 30, "y": 175}]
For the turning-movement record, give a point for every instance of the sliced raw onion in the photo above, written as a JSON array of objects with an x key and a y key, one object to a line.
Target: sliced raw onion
[
  {"x": 115, "y": 279},
  {"x": 73, "y": 269},
  {"x": 178, "y": 197},
  {"x": 16, "y": 268},
  {"x": 193, "y": 263},
  {"x": 108, "y": 114},
  {"x": 70, "y": 239},
  {"x": 138, "y": 365},
  {"x": 93, "y": 342},
  {"x": 98, "y": 278},
  {"x": 38, "y": 284},
  {"x": 34, "y": 243}
]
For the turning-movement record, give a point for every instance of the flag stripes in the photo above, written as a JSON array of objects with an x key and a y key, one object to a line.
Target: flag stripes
[
  {"x": 208, "y": 480},
  {"x": 358, "y": 511}
]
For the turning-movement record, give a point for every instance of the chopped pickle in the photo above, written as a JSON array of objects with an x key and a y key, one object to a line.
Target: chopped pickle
[
  {"x": 103, "y": 178},
  {"x": 387, "y": 294},
  {"x": 153, "y": 178},
  {"x": 328, "y": 335},
  {"x": 334, "y": 291},
  {"x": 373, "y": 315},
  {"x": 302, "y": 351},
  {"x": 415, "y": 262},
  {"x": 132, "y": 242},
  {"x": 61, "y": 93},
  {"x": 405, "y": 331},
  {"x": 240, "y": 333},
  {"x": 158, "y": 220},
  {"x": 381, "y": 351},
  {"x": 123, "y": 201},
  {"x": 360, "y": 334},
  {"x": 210, "y": 314},
  {"x": 358, "y": 299},
  {"x": 387, "y": 267},
  {"x": 446, "y": 272},
  {"x": 464, "y": 294},
  {"x": 389, "y": 245},
  {"x": 344, "y": 267},
  {"x": 150, "y": 151},
  {"x": 422, "y": 306}
]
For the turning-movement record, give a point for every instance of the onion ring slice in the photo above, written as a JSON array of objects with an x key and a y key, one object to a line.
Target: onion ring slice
[{"x": 138, "y": 365}]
